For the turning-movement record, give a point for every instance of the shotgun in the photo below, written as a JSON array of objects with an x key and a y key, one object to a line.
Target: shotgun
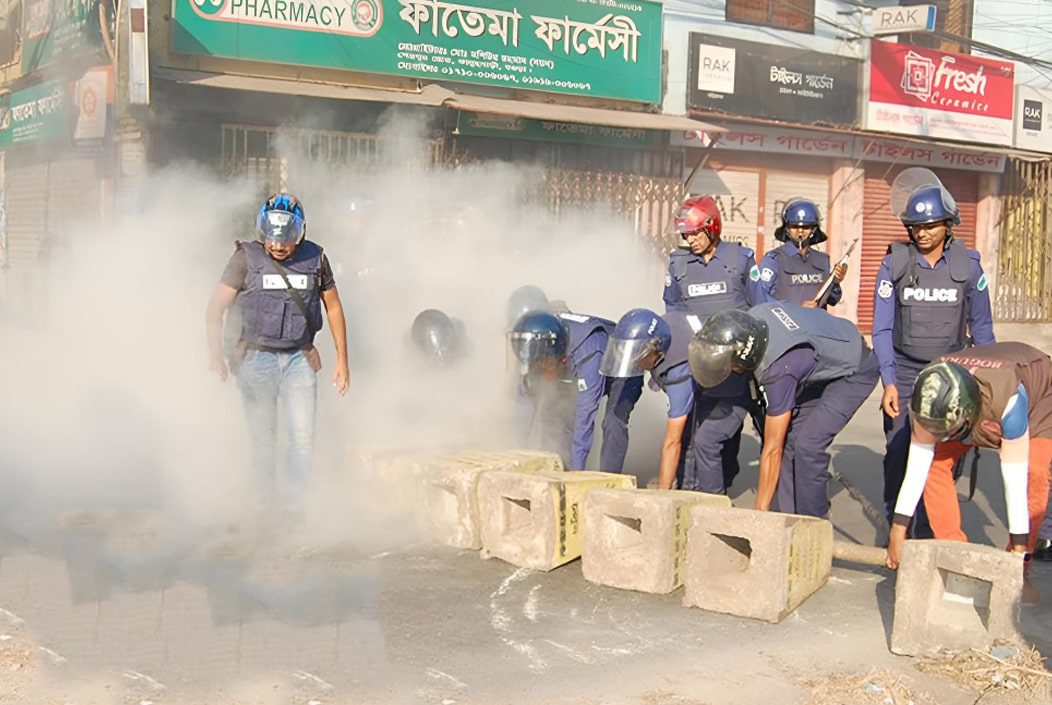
[{"x": 827, "y": 285}]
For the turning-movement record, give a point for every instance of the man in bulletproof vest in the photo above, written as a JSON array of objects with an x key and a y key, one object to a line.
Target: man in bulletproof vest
[
  {"x": 815, "y": 372},
  {"x": 704, "y": 277},
  {"x": 559, "y": 359},
  {"x": 794, "y": 271},
  {"x": 281, "y": 281},
  {"x": 930, "y": 294},
  {"x": 991, "y": 396}
]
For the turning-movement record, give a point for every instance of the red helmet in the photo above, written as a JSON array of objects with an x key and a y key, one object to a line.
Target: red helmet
[{"x": 699, "y": 213}]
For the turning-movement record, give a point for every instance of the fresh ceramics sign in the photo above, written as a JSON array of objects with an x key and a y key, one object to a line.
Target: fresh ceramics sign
[
  {"x": 916, "y": 91},
  {"x": 601, "y": 48}
]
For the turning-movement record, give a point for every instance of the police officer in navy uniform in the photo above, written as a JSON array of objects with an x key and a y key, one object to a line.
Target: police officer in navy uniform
[
  {"x": 794, "y": 271},
  {"x": 560, "y": 356},
  {"x": 815, "y": 371},
  {"x": 281, "y": 282},
  {"x": 705, "y": 277},
  {"x": 930, "y": 296}
]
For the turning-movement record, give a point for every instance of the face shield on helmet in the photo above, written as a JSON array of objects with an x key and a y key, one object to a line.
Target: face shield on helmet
[
  {"x": 526, "y": 299},
  {"x": 945, "y": 401},
  {"x": 538, "y": 337},
  {"x": 639, "y": 341},
  {"x": 435, "y": 335},
  {"x": 280, "y": 220},
  {"x": 728, "y": 342}
]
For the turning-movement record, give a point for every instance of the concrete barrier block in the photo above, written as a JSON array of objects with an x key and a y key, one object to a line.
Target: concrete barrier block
[
  {"x": 955, "y": 595},
  {"x": 761, "y": 565},
  {"x": 637, "y": 539},
  {"x": 449, "y": 490},
  {"x": 534, "y": 520}
]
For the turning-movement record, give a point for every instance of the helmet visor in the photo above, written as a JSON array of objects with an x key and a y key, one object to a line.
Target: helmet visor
[
  {"x": 710, "y": 363},
  {"x": 529, "y": 348},
  {"x": 281, "y": 228},
  {"x": 626, "y": 358}
]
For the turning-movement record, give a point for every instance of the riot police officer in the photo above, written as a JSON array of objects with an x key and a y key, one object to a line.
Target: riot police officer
[
  {"x": 815, "y": 371},
  {"x": 438, "y": 338},
  {"x": 991, "y": 396},
  {"x": 705, "y": 277},
  {"x": 930, "y": 293},
  {"x": 560, "y": 356},
  {"x": 282, "y": 281},
  {"x": 794, "y": 271}
]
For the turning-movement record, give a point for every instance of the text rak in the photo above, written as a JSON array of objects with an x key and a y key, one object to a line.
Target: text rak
[
  {"x": 805, "y": 279},
  {"x": 945, "y": 296},
  {"x": 709, "y": 289}
]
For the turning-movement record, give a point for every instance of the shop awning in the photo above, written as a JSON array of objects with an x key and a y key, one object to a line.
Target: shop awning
[
  {"x": 576, "y": 114},
  {"x": 428, "y": 95}
]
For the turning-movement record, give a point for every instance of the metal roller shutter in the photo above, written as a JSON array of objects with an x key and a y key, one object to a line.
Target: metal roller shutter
[
  {"x": 738, "y": 196},
  {"x": 880, "y": 227},
  {"x": 783, "y": 185},
  {"x": 26, "y": 187},
  {"x": 74, "y": 197}
]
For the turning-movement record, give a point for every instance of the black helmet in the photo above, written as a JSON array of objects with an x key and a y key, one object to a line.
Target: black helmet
[
  {"x": 945, "y": 400},
  {"x": 536, "y": 336},
  {"x": 524, "y": 300},
  {"x": 435, "y": 335},
  {"x": 727, "y": 340}
]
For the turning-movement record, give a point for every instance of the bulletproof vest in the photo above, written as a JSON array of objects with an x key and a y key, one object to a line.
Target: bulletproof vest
[
  {"x": 271, "y": 317},
  {"x": 930, "y": 313},
  {"x": 799, "y": 278},
  {"x": 998, "y": 369},
  {"x": 836, "y": 341},
  {"x": 711, "y": 288},
  {"x": 580, "y": 327}
]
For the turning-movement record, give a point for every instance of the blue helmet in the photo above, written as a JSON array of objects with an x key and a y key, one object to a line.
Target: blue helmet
[
  {"x": 639, "y": 341},
  {"x": 525, "y": 299},
  {"x": 281, "y": 220},
  {"x": 930, "y": 204},
  {"x": 536, "y": 336},
  {"x": 801, "y": 211}
]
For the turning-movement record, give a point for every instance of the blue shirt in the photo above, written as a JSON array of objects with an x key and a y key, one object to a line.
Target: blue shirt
[
  {"x": 769, "y": 271},
  {"x": 977, "y": 303},
  {"x": 680, "y": 393},
  {"x": 784, "y": 377},
  {"x": 722, "y": 257},
  {"x": 584, "y": 368}
]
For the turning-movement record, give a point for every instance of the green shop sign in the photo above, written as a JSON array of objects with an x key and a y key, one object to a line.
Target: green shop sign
[
  {"x": 59, "y": 30},
  {"x": 600, "y": 48},
  {"x": 508, "y": 127},
  {"x": 41, "y": 112}
]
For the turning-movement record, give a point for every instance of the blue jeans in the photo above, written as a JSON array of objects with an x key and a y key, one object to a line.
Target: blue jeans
[{"x": 272, "y": 382}]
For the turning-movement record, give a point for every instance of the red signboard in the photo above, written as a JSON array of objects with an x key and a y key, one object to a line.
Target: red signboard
[{"x": 919, "y": 91}]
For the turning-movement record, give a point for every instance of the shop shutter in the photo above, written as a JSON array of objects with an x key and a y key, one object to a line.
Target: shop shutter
[
  {"x": 880, "y": 227},
  {"x": 738, "y": 195},
  {"x": 783, "y": 185},
  {"x": 26, "y": 191},
  {"x": 74, "y": 198}
]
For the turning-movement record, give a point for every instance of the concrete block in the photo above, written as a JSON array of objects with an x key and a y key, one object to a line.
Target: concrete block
[
  {"x": 449, "y": 490},
  {"x": 637, "y": 539},
  {"x": 955, "y": 595},
  {"x": 761, "y": 565},
  {"x": 534, "y": 520}
]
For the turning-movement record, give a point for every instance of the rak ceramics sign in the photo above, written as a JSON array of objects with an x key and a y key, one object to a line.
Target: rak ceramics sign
[
  {"x": 916, "y": 91},
  {"x": 1033, "y": 119}
]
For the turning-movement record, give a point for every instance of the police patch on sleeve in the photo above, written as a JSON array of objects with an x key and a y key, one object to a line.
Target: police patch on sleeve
[
  {"x": 668, "y": 279},
  {"x": 885, "y": 289},
  {"x": 767, "y": 274},
  {"x": 582, "y": 386},
  {"x": 982, "y": 283},
  {"x": 754, "y": 273}
]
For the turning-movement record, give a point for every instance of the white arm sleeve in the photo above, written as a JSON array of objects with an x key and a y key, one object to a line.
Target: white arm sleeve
[
  {"x": 1015, "y": 465},
  {"x": 917, "y": 468}
]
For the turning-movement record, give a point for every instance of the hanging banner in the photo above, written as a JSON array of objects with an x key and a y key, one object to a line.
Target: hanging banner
[
  {"x": 38, "y": 113},
  {"x": 916, "y": 91},
  {"x": 94, "y": 94},
  {"x": 600, "y": 48},
  {"x": 58, "y": 31}
]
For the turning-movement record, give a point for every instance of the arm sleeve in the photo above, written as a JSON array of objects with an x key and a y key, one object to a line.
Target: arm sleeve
[
  {"x": 884, "y": 322},
  {"x": 768, "y": 278},
  {"x": 980, "y": 314},
  {"x": 672, "y": 296},
  {"x": 917, "y": 468},
  {"x": 590, "y": 387},
  {"x": 783, "y": 379},
  {"x": 235, "y": 270},
  {"x": 1015, "y": 462},
  {"x": 680, "y": 398},
  {"x": 751, "y": 277},
  {"x": 326, "y": 280}
]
